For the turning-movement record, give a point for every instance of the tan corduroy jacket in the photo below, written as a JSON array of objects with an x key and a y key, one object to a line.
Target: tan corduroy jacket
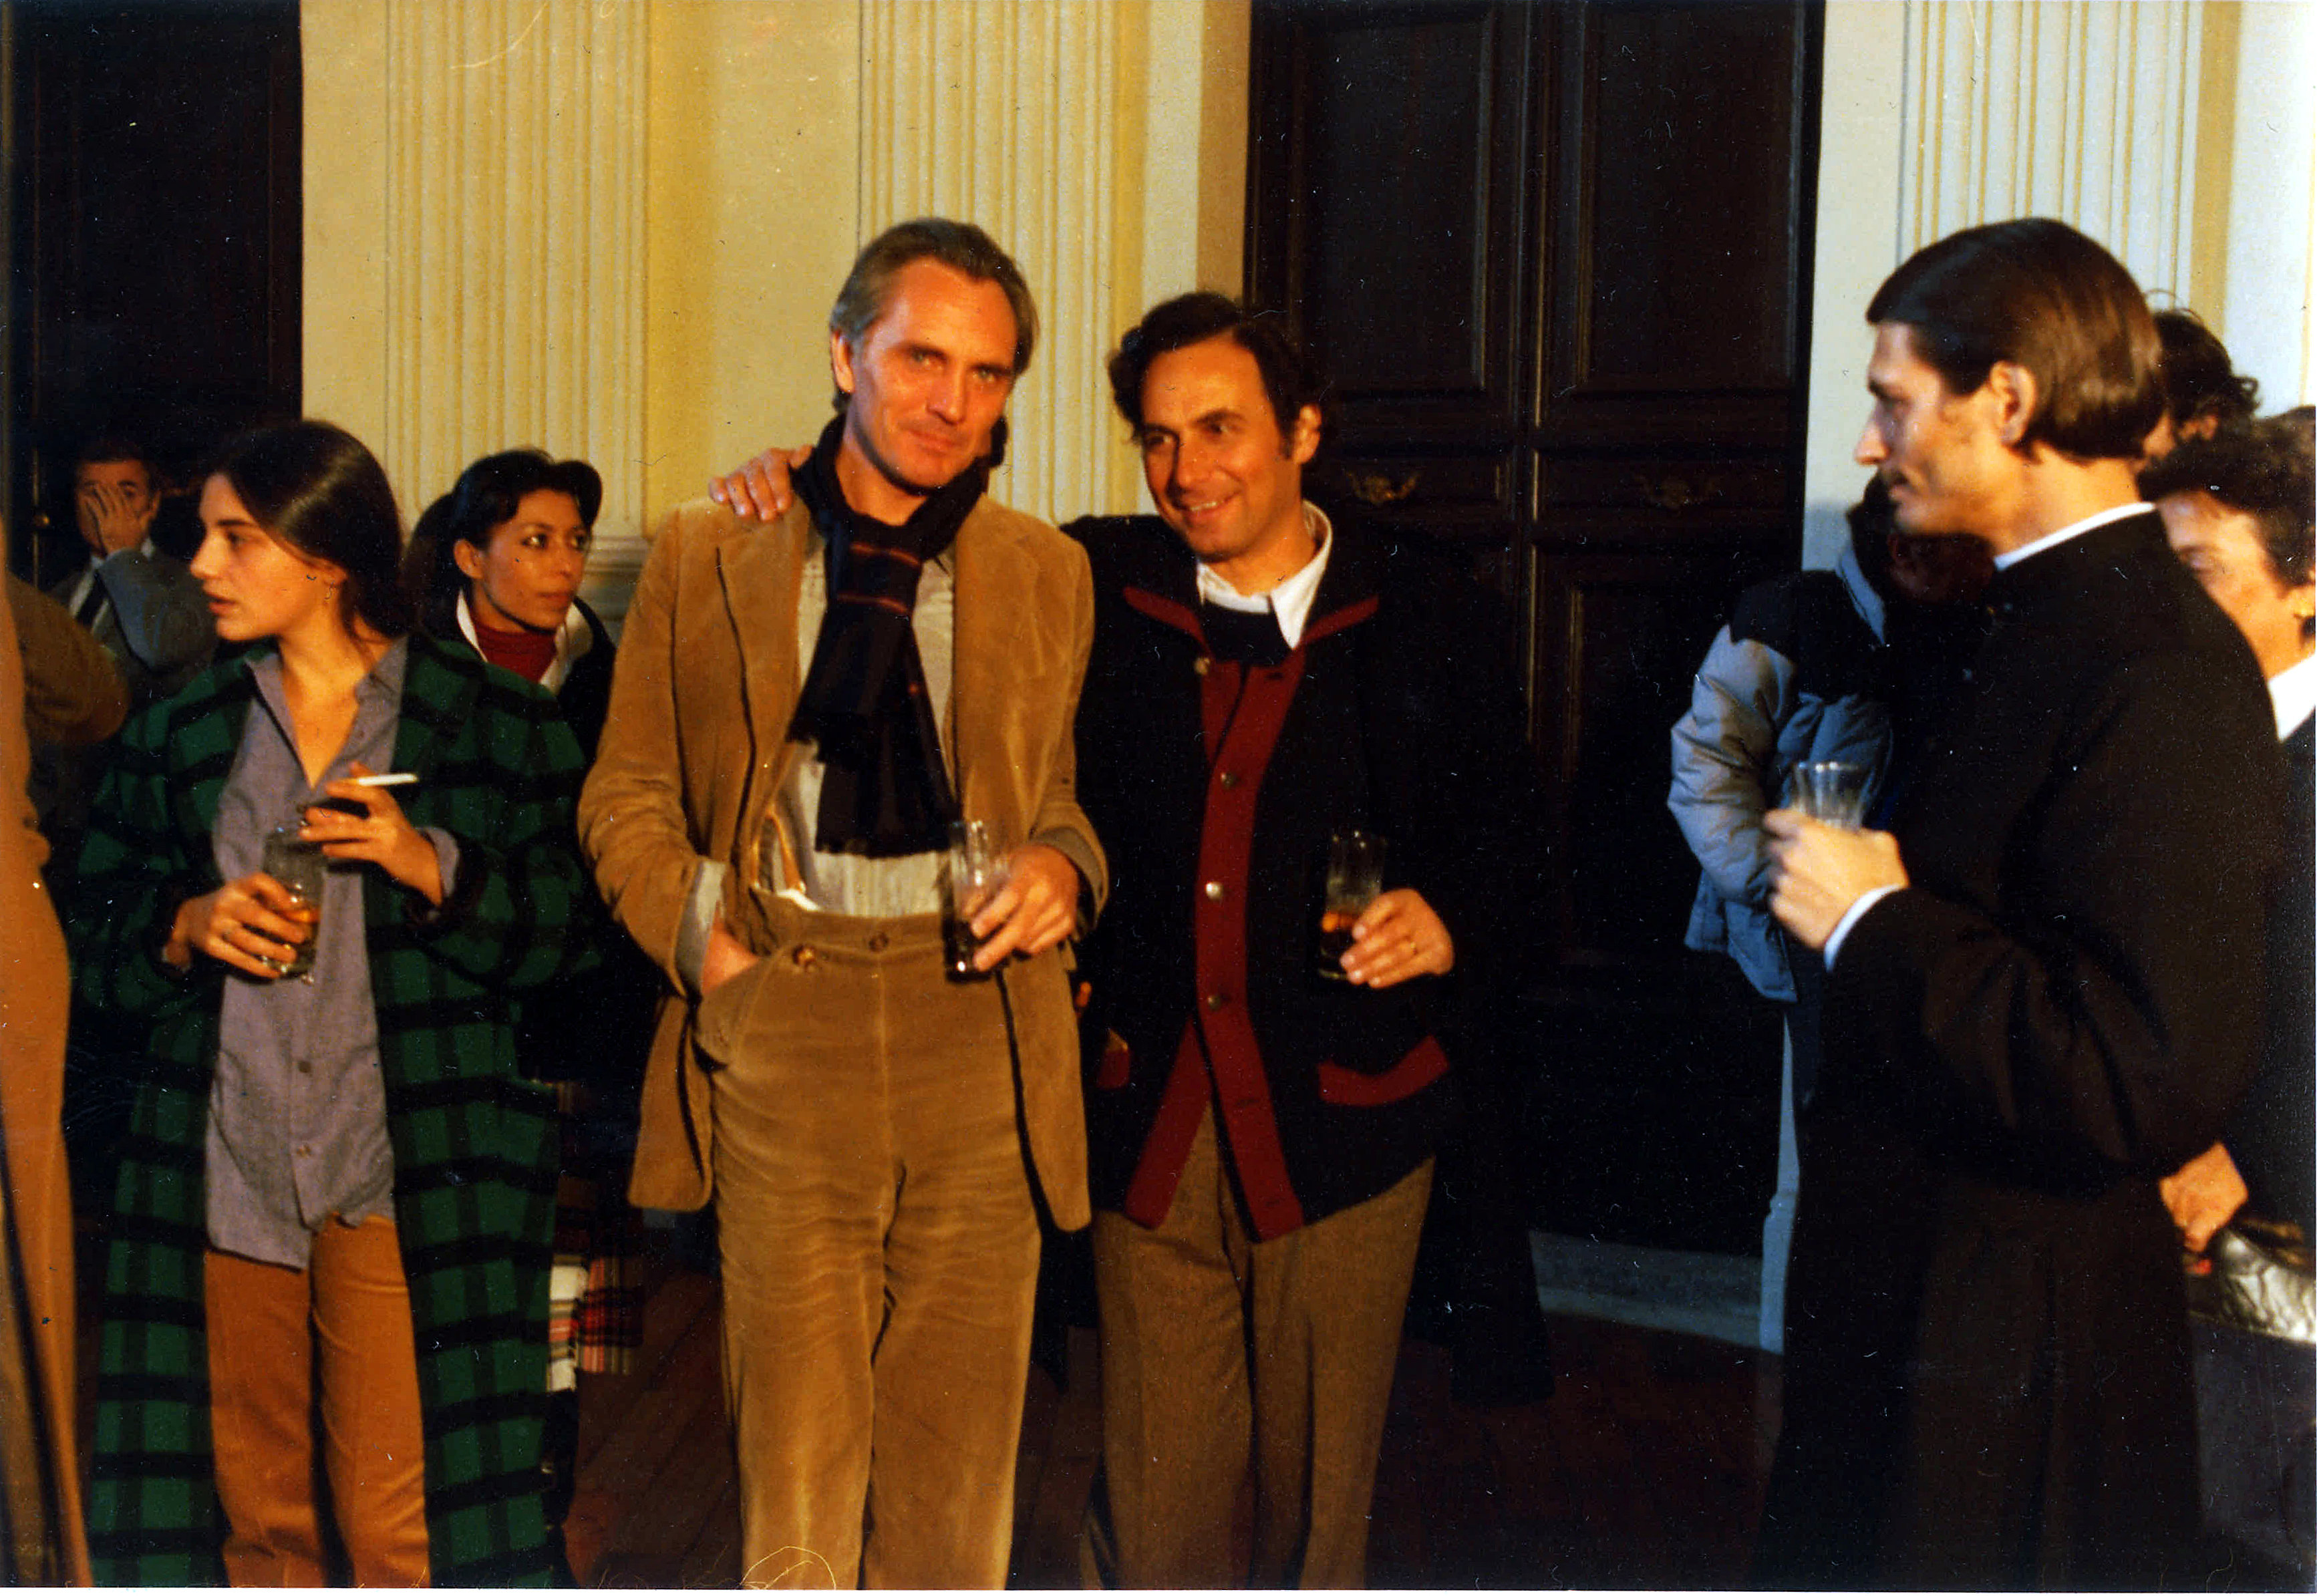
[
  {"x": 35, "y": 993},
  {"x": 695, "y": 746}
]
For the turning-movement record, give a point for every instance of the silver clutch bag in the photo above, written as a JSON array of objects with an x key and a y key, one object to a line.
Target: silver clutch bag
[{"x": 2258, "y": 1280}]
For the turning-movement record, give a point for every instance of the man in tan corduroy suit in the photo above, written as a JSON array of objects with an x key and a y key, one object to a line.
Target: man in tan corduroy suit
[{"x": 797, "y": 711}]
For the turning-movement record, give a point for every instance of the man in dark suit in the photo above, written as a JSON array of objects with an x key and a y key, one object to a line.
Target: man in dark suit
[
  {"x": 143, "y": 605},
  {"x": 1260, "y": 1137},
  {"x": 2037, "y": 999}
]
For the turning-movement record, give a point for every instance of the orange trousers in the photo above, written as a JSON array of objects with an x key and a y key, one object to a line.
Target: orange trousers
[{"x": 344, "y": 1320}]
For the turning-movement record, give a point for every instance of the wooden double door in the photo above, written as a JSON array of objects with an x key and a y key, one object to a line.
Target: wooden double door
[
  {"x": 154, "y": 214},
  {"x": 1555, "y": 259}
]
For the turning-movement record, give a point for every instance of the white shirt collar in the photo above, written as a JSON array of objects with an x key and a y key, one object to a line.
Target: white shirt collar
[
  {"x": 2074, "y": 529},
  {"x": 573, "y": 638},
  {"x": 2293, "y": 693},
  {"x": 1290, "y": 601}
]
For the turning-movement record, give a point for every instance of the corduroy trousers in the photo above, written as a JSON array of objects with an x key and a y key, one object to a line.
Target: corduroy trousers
[
  {"x": 1217, "y": 1348},
  {"x": 881, "y": 1256}
]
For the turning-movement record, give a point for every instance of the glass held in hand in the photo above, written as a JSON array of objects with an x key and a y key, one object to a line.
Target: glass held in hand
[
  {"x": 1355, "y": 879},
  {"x": 1832, "y": 790},
  {"x": 301, "y": 868},
  {"x": 971, "y": 875}
]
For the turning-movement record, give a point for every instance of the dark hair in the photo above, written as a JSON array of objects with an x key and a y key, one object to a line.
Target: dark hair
[
  {"x": 485, "y": 497},
  {"x": 1289, "y": 380},
  {"x": 960, "y": 246},
  {"x": 315, "y": 488},
  {"x": 2198, "y": 379},
  {"x": 2042, "y": 296},
  {"x": 2261, "y": 469},
  {"x": 1872, "y": 521},
  {"x": 112, "y": 449}
]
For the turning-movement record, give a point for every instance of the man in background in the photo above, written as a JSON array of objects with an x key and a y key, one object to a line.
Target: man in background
[{"x": 143, "y": 605}]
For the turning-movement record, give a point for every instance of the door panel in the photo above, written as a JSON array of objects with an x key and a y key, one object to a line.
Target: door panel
[
  {"x": 155, "y": 234},
  {"x": 1554, "y": 257}
]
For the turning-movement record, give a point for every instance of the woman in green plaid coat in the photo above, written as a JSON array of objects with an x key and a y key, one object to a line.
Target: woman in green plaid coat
[{"x": 336, "y": 1190}]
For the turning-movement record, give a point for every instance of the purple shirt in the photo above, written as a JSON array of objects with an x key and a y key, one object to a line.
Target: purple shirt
[{"x": 297, "y": 1124}]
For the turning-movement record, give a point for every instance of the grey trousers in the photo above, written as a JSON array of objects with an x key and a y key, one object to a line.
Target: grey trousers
[{"x": 1218, "y": 1350}]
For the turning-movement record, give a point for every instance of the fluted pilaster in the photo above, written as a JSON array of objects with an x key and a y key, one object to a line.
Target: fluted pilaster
[
  {"x": 1008, "y": 113},
  {"x": 513, "y": 274},
  {"x": 2083, "y": 110}
]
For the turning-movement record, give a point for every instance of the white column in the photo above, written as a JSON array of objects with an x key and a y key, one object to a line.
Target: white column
[
  {"x": 1942, "y": 114},
  {"x": 2083, "y": 110},
  {"x": 2265, "y": 316},
  {"x": 1007, "y": 113},
  {"x": 505, "y": 266}
]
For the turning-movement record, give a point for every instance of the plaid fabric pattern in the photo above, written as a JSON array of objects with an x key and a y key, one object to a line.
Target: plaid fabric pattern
[
  {"x": 475, "y": 1150},
  {"x": 596, "y": 1301}
]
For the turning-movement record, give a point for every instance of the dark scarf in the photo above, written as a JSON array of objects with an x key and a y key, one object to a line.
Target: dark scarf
[{"x": 885, "y": 790}]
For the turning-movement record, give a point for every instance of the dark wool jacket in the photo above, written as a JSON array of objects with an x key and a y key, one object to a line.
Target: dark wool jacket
[
  {"x": 586, "y": 694},
  {"x": 474, "y": 1151},
  {"x": 1399, "y": 717},
  {"x": 1986, "y": 1376}
]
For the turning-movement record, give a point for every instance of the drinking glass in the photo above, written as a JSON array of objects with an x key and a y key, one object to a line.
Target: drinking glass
[
  {"x": 971, "y": 875},
  {"x": 1833, "y": 791},
  {"x": 1355, "y": 878},
  {"x": 301, "y": 866}
]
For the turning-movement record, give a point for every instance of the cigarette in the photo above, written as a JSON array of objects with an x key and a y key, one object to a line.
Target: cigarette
[{"x": 392, "y": 779}]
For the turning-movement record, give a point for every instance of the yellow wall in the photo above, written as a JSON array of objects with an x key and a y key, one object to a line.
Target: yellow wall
[
  {"x": 752, "y": 216},
  {"x": 707, "y": 169},
  {"x": 2178, "y": 132}
]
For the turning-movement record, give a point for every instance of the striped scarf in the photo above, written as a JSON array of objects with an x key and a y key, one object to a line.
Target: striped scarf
[{"x": 885, "y": 790}]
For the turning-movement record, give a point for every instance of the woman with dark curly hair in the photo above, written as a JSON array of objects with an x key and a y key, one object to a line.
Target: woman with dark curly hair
[
  {"x": 495, "y": 564},
  {"x": 336, "y": 1195}
]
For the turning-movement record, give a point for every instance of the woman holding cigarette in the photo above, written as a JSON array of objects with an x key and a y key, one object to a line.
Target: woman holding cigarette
[{"x": 337, "y": 1191}]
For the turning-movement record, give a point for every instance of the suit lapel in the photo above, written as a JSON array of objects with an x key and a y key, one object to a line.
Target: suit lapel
[
  {"x": 994, "y": 580},
  {"x": 761, "y": 572}
]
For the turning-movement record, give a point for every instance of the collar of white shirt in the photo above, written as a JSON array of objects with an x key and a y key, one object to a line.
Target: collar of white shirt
[
  {"x": 2072, "y": 529},
  {"x": 1290, "y": 601},
  {"x": 2293, "y": 693},
  {"x": 573, "y": 638}
]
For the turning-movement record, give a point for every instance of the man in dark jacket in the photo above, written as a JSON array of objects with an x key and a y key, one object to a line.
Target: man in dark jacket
[
  {"x": 1260, "y": 1124},
  {"x": 2038, "y": 1001},
  {"x": 143, "y": 604}
]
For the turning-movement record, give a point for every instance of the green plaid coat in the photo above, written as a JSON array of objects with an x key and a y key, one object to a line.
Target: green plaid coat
[{"x": 474, "y": 1146}]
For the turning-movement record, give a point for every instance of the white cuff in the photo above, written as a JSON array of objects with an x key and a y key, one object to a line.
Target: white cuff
[
  {"x": 700, "y": 911},
  {"x": 1852, "y": 915}
]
